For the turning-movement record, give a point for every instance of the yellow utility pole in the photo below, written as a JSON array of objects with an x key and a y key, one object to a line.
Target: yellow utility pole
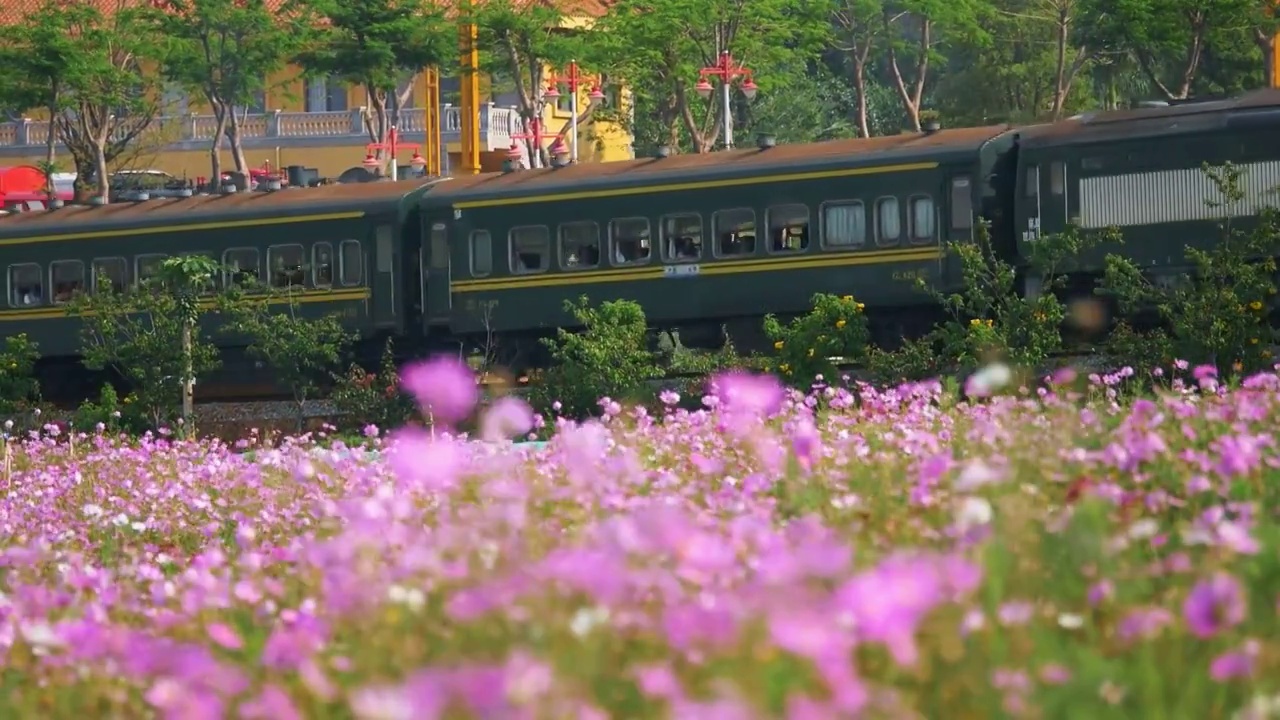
[
  {"x": 431, "y": 121},
  {"x": 470, "y": 101}
]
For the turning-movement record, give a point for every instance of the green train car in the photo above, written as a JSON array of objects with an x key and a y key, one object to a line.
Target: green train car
[
  {"x": 705, "y": 242},
  {"x": 340, "y": 247}
]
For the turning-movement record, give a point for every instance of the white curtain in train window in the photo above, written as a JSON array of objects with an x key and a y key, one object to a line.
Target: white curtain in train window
[
  {"x": 888, "y": 220},
  {"x": 922, "y": 217},
  {"x": 844, "y": 225},
  {"x": 682, "y": 237},
  {"x": 630, "y": 237}
]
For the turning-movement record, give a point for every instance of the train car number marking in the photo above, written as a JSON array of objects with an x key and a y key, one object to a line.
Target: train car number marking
[
  {"x": 480, "y": 307},
  {"x": 909, "y": 275},
  {"x": 681, "y": 271}
]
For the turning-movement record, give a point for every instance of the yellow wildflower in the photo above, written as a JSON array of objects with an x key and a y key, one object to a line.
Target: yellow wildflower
[
  {"x": 860, "y": 306},
  {"x": 784, "y": 367},
  {"x": 1253, "y": 341},
  {"x": 777, "y": 345},
  {"x": 840, "y": 324},
  {"x": 991, "y": 323},
  {"x": 847, "y": 298},
  {"x": 1256, "y": 305},
  {"x": 975, "y": 322},
  {"x": 810, "y": 352}
]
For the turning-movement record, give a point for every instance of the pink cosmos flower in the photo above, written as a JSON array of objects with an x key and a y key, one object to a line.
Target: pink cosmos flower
[
  {"x": 1237, "y": 663},
  {"x": 443, "y": 386},
  {"x": 506, "y": 418},
  {"x": 743, "y": 392},
  {"x": 1214, "y": 604}
]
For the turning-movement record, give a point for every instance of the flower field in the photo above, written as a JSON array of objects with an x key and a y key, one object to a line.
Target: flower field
[{"x": 1062, "y": 551}]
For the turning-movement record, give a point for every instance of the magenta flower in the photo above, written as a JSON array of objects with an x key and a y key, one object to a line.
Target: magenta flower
[
  {"x": 1237, "y": 663},
  {"x": 443, "y": 386},
  {"x": 746, "y": 393},
  {"x": 223, "y": 635},
  {"x": 1214, "y": 604},
  {"x": 506, "y": 418}
]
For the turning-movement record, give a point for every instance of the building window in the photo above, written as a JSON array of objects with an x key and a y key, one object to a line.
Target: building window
[
  {"x": 788, "y": 228},
  {"x": 66, "y": 277},
  {"x": 322, "y": 265},
  {"x": 629, "y": 238},
  {"x": 961, "y": 203},
  {"x": 735, "y": 232},
  {"x": 579, "y": 245},
  {"x": 530, "y": 249},
  {"x": 242, "y": 267},
  {"x": 324, "y": 94},
  {"x": 844, "y": 225},
  {"x": 481, "y": 253},
  {"x": 921, "y": 207},
  {"x": 147, "y": 266},
  {"x": 681, "y": 237},
  {"x": 26, "y": 285},
  {"x": 286, "y": 265},
  {"x": 114, "y": 271},
  {"x": 351, "y": 268},
  {"x": 888, "y": 221}
]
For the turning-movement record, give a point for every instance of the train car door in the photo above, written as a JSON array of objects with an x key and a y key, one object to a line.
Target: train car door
[
  {"x": 438, "y": 294},
  {"x": 383, "y": 279},
  {"x": 1054, "y": 198}
]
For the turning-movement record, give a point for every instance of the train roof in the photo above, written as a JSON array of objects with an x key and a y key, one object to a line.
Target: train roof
[
  {"x": 203, "y": 209},
  {"x": 779, "y": 159},
  {"x": 1259, "y": 106}
]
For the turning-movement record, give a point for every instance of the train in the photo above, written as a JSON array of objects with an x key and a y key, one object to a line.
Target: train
[{"x": 707, "y": 244}]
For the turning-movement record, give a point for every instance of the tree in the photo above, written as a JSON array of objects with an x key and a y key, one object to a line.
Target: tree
[
  {"x": 1172, "y": 41},
  {"x": 42, "y": 61},
  {"x": 222, "y": 50},
  {"x": 857, "y": 31},
  {"x": 111, "y": 99},
  {"x": 302, "y": 351},
  {"x": 914, "y": 31},
  {"x": 150, "y": 334},
  {"x": 374, "y": 44},
  {"x": 524, "y": 40},
  {"x": 662, "y": 44}
]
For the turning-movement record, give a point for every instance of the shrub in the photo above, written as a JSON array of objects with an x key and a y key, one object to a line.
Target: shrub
[
  {"x": 363, "y": 398},
  {"x": 836, "y": 327},
  {"x": 1216, "y": 314},
  {"x": 19, "y": 389},
  {"x": 608, "y": 357}
]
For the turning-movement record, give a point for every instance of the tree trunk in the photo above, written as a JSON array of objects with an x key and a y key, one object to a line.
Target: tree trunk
[
  {"x": 860, "y": 87},
  {"x": 379, "y": 125},
  {"x": 237, "y": 147},
  {"x": 1266, "y": 42},
  {"x": 910, "y": 97},
  {"x": 100, "y": 168},
  {"x": 50, "y": 144},
  {"x": 188, "y": 383},
  {"x": 215, "y": 147}
]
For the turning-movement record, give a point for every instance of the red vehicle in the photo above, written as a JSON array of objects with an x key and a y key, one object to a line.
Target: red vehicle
[{"x": 22, "y": 188}]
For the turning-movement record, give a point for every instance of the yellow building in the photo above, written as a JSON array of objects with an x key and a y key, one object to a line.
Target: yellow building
[{"x": 321, "y": 124}]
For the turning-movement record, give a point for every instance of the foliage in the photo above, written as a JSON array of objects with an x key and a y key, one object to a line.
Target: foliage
[
  {"x": 375, "y": 44},
  {"x": 608, "y": 357},
  {"x": 1219, "y": 312},
  {"x": 989, "y": 317},
  {"x": 140, "y": 333},
  {"x": 19, "y": 389},
  {"x": 364, "y": 398},
  {"x": 222, "y": 51},
  {"x": 836, "y": 327},
  {"x": 301, "y": 351},
  {"x": 108, "y": 412}
]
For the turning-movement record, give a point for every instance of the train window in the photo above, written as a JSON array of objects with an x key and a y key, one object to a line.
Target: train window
[
  {"x": 579, "y": 245},
  {"x": 888, "y": 221},
  {"x": 530, "y": 249},
  {"x": 921, "y": 219},
  {"x": 114, "y": 271},
  {"x": 26, "y": 285},
  {"x": 681, "y": 237},
  {"x": 844, "y": 225},
  {"x": 788, "y": 228},
  {"x": 1057, "y": 177},
  {"x": 351, "y": 268},
  {"x": 481, "y": 253},
  {"x": 286, "y": 263},
  {"x": 66, "y": 277},
  {"x": 147, "y": 266},
  {"x": 241, "y": 267},
  {"x": 439, "y": 246},
  {"x": 735, "y": 231},
  {"x": 961, "y": 203},
  {"x": 1031, "y": 183},
  {"x": 322, "y": 265},
  {"x": 629, "y": 238}
]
